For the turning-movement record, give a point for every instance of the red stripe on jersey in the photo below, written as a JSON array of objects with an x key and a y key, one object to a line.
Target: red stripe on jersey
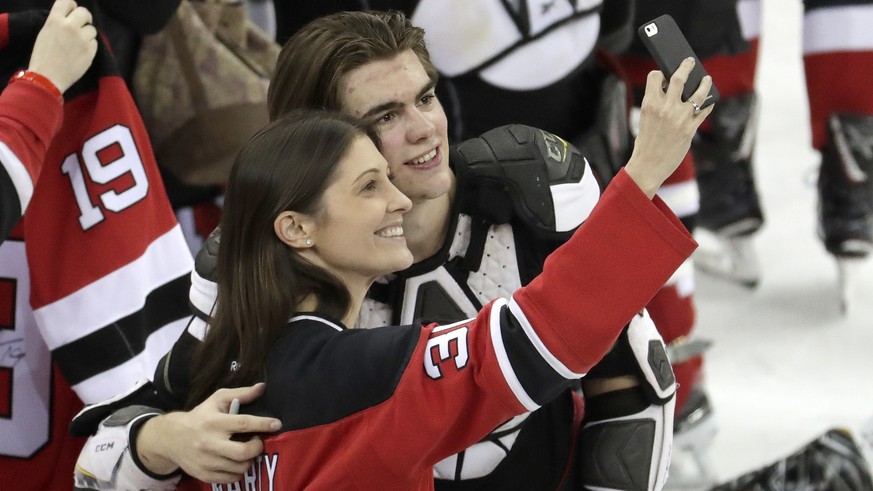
[
  {"x": 7, "y": 303},
  {"x": 732, "y": 75},
  {"x": 5, "y": 389},
  {"x": 102, "y": 148},
  {"x": 837, "y": 82},
  {"x": 4, "y": 30}
]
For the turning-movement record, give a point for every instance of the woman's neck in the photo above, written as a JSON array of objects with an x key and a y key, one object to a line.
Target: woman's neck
[{"x": 356, "y": 300}]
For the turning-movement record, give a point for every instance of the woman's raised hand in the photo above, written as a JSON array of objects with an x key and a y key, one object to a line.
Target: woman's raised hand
[{"x": 667, "y": 126}]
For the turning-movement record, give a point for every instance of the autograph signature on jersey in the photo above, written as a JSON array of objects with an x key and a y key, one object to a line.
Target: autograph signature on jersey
[{"x": 11, "y": 352}]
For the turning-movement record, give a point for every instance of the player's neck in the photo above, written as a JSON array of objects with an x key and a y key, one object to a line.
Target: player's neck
[{"x": 425, "y": 225}]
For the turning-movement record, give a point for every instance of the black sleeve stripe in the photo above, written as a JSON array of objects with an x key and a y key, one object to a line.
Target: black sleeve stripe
[
  {"x": 538, "y": 378},
  {"x": 556, "y": 364},
  {"x": 120, "y": 341},
  {"x": 503, "y": 357}
]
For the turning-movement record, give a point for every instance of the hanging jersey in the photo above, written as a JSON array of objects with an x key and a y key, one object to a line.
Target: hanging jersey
[
  {"x": 377, "y": 408},
  {"x": 96, "y": 290}
]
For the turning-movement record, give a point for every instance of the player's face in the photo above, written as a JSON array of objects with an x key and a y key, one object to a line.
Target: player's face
[
  {"x": 397, "y": 95},
  {"x": 359, "y": 234}
]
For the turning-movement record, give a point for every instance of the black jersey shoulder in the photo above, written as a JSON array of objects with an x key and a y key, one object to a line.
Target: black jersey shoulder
[{"x": 319, "y": 372}]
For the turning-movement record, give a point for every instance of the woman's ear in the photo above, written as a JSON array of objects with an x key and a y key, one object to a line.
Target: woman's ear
[{"x": 292, "y": 228}]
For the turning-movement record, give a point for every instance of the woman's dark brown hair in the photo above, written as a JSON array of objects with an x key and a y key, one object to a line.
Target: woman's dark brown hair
[
  {"x": 314, "y": 60},
  {"x": 286, "y": 166}
]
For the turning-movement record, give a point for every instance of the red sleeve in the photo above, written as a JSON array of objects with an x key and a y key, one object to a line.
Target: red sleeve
[
  {"x": 466, "y": 378},
  {"x": 619, "y": 258},
  {"x": 30, "y": 117}
]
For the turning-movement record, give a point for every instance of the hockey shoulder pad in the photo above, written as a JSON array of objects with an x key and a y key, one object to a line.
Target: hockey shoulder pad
[
  {"x": 517, "y": 172},
  {"x": 628, "y": 434},
  {"x": 108, "y": 460}
]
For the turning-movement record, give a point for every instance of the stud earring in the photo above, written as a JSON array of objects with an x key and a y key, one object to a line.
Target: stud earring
[{"x": 308, "y": 242}]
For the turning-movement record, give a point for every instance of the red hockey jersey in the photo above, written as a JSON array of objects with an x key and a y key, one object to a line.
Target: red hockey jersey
[
  {"x": 377, "y": 408},
  {"x": 94, "y": 289}
]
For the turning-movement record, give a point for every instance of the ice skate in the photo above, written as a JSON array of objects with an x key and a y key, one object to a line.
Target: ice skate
[
  {"x": 694, "y": 431},
  {"x": 845, "y": 187},
  {"x": 839, "y": 460},
  {"x": 729, "y": 206},
  {"x": 732, "y": 258}
]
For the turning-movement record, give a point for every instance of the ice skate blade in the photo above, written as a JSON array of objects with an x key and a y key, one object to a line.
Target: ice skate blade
[
  {"x": 691, "y": 467},
  {"x": 733, "y": 259},
  {"x": 847, "y": 276}
]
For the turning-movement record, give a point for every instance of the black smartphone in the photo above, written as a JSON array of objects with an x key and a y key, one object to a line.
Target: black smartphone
[{"x": 669, "y": 48}]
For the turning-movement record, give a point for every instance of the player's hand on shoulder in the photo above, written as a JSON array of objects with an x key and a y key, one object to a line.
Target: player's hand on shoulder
[{"x": 199, "y": 441}]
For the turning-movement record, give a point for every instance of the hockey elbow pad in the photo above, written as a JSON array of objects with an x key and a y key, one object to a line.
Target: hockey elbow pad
[
  {"x": 627, "y": 435},
  {"x": 87, "y": 421},
  {"x": 108, "y": 460},
  {"x": 204, "y": 286}
]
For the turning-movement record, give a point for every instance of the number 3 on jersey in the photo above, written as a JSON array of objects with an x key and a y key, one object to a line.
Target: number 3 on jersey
[
  {"x": 450, "y": 344},
  {"x": 107, "y": 158}
]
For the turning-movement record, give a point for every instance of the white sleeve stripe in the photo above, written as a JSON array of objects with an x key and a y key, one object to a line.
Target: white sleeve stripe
[
  {"x": 117, "y": 294},
  {"x": 18, "y": 175},
  {"x": 120, "y": 378},
  {"x": 575, "y": 200},
  {"x": 535, "y": 340},
  {"x": 503, "y": 359}
]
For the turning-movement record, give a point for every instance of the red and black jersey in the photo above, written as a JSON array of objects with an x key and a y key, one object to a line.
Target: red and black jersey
[
  {"x": 93, "y": 290},
  {"x": 377, "y": 408}
]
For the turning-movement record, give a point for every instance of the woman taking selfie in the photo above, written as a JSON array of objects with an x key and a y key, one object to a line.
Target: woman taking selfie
[{"x": 311, "y": 219}]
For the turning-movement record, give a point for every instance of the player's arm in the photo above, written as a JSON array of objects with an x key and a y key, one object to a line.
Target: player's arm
[
  {"x": 153, "y": 444},
  {"x": 139, "y": 447}
]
